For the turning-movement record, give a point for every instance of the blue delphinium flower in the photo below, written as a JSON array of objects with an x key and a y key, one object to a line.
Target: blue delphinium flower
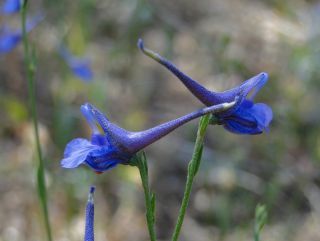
[
  {"x": 246, "y": 117},
  {"x": 117, "y": 145},
  {"x": 89, "y": 228},
  {"x": 80, "y": 67},
  {"x": 11, "y": 6},
  {"x": 10, "y": 38}
]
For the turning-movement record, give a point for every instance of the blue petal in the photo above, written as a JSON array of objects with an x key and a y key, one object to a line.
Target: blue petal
[
  {"x": 9, "y": 38},
  {"x": 79, "y": 66},
  {"x": 9, "y": 41},
  {"x": 103, "y": 159},
  {"x": 11, "y": 6},
  {"x": 101, "y": 168},
  {"x": 263, "y": 114},
  {"x": 82, "y": 69},
  {"x": 99, "y": 140},
  {"x": 252, "y": 120},
  {"x": 252, "y": 86},
  {"x": 86, "y": 112},
  {"x": 76, "y": 152}
]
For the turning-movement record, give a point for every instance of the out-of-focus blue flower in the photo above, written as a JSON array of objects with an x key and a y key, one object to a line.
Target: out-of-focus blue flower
[
  {"x": 80, "y": 67},
  {"x": 117, "y": 145},
  {"x": 11, "y": 6},
  {"x": 246, "y": 117},
  {"x": 89, "y": 228},
  {"x": 10, "y": 38}
]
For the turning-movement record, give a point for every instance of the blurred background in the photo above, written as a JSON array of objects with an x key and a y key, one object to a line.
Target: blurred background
[{"x": 218, "y": 43}]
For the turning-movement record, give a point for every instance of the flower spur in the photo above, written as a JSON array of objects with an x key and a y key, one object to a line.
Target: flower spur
[
  {"x": 246, "y": 117},
  {"x": 117, "y": 145}
]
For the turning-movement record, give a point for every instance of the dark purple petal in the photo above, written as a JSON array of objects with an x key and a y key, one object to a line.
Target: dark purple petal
[
  {"x": 107, "y": 157},
  {"x": 238, "y": 128},
  {"x": 11, "y": 6}
]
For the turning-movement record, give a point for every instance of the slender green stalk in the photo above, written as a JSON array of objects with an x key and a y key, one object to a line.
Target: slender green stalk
[
  {"x": 149, "y": 196},
  {"x": 260, "y": 220},
  {"x": 193, "y": 168},
  {"x": 30, "y": 70}
]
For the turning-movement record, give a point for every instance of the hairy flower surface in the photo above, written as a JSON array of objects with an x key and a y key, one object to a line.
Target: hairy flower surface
[
  {"x": 89, "y": 228},
  {"x": 80, "y": 67},
  {"x": 246, "y": 117},
  {"x": 117, "y": 145},
  {"x": 11, "y": 6}
]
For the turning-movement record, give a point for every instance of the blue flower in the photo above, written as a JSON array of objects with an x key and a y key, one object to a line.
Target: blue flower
[
  {"x": 89, "y": 228},
  {"x": 10, "y": 38},
  {"x": 117, "y": 145},
  {"x": 80, "y": 67},
  {"x": 246, "y": 117},
  {"x": 11, "y": 6}
]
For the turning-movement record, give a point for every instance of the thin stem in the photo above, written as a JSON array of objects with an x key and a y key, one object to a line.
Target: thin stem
[
  {"x": 192, "y": 171},
  {"x": 30, "y": 70},
  {"x": 256, "y": 235},
  {"x": 260, "y": 220},
  {"x": 149, "y": 197}
]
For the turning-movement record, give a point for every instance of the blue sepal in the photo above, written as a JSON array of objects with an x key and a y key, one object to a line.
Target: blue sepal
[{"x": 76, "y": 152}]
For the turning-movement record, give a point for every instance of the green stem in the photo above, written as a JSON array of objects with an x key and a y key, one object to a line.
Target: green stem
[
  {"x": 260, "y": 220},
  {"x": 256, "y": 236},
  {"x": 149, "y": 197},
  {"x": 192, "y": 171},
  {"x": 30, "y": 69}
]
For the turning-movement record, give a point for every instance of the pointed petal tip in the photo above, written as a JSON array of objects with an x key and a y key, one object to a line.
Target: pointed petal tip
[
  {"x": 90, "y": 195},
  {"x": 264, "y": 76},
  {"x": 86, "y": 111},
  {"x": 92, "y": 189},
  {"x": 254, "y": 84},
  {"x": 86, "y": 107}
]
